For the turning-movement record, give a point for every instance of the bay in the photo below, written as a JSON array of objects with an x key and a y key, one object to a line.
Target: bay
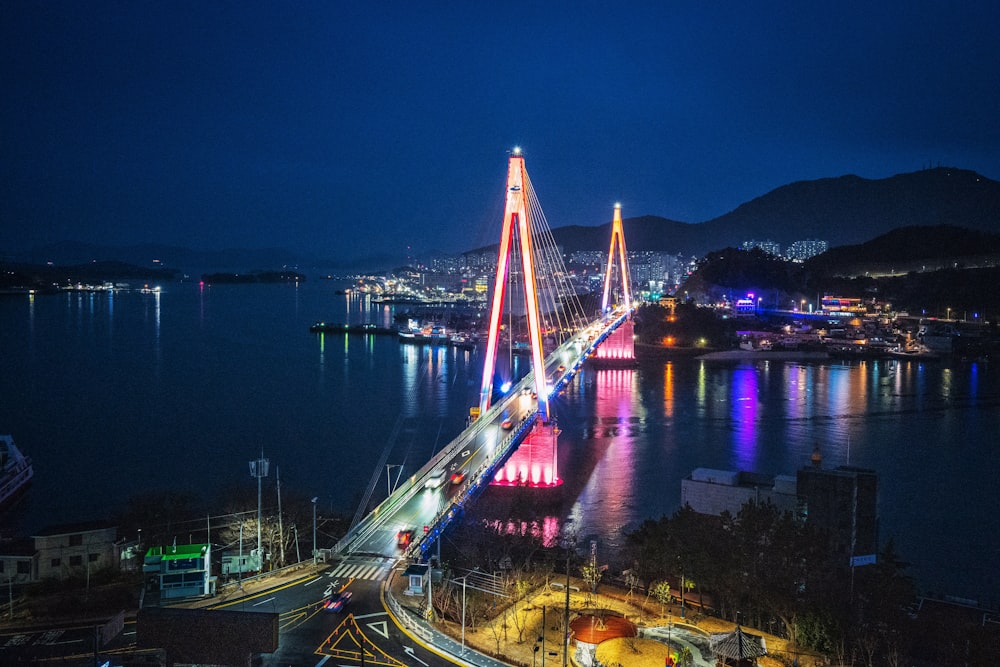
[{"x": 112, "y": 394}]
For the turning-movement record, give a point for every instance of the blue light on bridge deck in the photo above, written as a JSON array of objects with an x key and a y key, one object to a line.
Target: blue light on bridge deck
[{"x": 505, "y": 387}]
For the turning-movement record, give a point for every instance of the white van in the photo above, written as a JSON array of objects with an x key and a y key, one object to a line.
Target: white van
[{"x": 435, "y": 479}]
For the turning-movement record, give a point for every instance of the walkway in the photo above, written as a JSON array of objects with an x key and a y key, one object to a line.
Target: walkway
[{"x": 649, "y": 649}]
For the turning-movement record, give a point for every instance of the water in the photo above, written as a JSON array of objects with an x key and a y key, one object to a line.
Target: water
[{"x": 113, "y": 394}]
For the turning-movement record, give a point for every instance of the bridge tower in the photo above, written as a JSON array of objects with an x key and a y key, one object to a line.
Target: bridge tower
[
  {"x": 617, "y": 235},
  {"x": 619, "y": 348},
  {"x": 515, "y": 217},
  {"x": 535, "y": 461}
]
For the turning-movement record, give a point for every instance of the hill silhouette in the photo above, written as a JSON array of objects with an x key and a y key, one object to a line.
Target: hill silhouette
[{"x": 842, "y": 211}]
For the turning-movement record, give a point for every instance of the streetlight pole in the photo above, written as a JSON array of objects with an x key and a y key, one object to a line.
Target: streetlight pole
[
  {"x": 464, "y": 579},
  {"x": 566, "y": 614},
  {"x": 314, "y": 528},
  {"x": 258, "y": 469},
  {"x": 281, "y": 532},
  {"x": 682, "y": 595},
  {"x": 388, "y": 484}
]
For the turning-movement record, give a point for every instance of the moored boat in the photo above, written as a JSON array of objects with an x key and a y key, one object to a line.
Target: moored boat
[{"x": 15, "y": 470}]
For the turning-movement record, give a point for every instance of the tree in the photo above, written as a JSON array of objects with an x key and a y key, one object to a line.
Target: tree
[{"x": 661, "y": 591}]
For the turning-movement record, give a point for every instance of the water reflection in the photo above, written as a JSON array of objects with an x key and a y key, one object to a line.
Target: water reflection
[
  {"x": 743, "y": 410},
  {"x": 610, "y": 495}
]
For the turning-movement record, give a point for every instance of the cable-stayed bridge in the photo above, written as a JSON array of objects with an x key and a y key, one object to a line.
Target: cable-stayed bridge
[{"x": 534, "y": 308}]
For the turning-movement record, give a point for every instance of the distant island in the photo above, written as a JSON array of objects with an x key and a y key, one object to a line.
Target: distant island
[
  {"x": 22, "y": 277},
  {"x": 253, "y": 277}
]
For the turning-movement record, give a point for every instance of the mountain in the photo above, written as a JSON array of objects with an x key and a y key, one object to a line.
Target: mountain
[
  {"x": 844, "y": 210},
  {"x": 916, "y": 248}
]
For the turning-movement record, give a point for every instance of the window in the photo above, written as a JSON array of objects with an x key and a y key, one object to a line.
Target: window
[
  {"x": 75, "y": 561},
  {"x": 92, "y": 558},
  {"x": 2, "y": 564},
  {"x": 56, "y": 562},
  {"x": 76, "y": 540},
  {"x": 23, "y": 567}
]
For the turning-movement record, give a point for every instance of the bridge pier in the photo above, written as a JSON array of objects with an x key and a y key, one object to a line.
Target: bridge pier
[
  {"x": 535, "y": 461},
  {"x": 618, "y": 349}
]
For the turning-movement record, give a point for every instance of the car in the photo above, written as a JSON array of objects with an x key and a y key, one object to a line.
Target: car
[
  {"x": 458, "y": 477},
  {"x": 435, "y": 479},
  {"x": 403, "y": 538},
  {"x": 338, "y": 601},
  {"x": 560, "y": 369},
  {"x": 506, "y": 424}
]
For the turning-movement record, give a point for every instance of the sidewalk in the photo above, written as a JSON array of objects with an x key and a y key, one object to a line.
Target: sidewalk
[
  {"x": 649, "y": 648},
  {"x": 235, "y": 590},
  {"x": 410, "y": 613}
]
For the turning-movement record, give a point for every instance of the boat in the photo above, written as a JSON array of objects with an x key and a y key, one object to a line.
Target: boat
[
  {"x": 15, "y": 470},
  {"x": 427, "y": 333}
]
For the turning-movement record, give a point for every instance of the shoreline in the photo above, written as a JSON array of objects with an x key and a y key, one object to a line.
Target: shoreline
[{"x": 778, "y": 355}]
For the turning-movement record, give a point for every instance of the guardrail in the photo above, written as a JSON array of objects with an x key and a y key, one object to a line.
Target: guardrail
[{"x": 473, "y": 487}]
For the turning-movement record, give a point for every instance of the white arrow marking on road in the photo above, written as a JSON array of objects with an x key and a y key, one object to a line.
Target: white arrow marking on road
[
  {"x": 377, "y": 613},
  {"x": 380, "y": 628},
  {"x": 329, "y": 589},
  {"x": 409, "y": 652}
]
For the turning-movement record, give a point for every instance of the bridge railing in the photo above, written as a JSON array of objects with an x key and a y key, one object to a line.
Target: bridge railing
[{"x": 415, "y": 483}]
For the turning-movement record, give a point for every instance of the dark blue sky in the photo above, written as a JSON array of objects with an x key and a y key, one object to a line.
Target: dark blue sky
[{"x": 345, "y": 129}]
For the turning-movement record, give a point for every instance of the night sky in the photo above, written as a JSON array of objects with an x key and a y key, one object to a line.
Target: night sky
[{"x": 348, "y": 129}]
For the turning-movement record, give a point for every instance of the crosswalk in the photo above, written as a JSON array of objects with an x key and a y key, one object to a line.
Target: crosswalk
[{"x": 367, "y": 569}]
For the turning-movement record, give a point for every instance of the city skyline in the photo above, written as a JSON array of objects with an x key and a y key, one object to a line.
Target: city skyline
[{"x": 326, "y": 128}]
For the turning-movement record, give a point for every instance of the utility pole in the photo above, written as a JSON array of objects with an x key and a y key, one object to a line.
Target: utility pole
[
  {"x": 430, "y": 599},
  {"x": 281, "y": 532},
  {"x": 240, "y": 568},
  {"x": 258, "y": 469},
  {"x": 543, "y": 634},
  {"x": 566, "y": 614},
  {"x": 314, "y": 528}
]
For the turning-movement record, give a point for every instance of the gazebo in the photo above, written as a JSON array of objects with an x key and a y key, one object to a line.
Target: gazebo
[{"x": 737, "y": 648}]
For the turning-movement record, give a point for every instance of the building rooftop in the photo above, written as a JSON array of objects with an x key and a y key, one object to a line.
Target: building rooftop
[{"x": 73, "y": 528}]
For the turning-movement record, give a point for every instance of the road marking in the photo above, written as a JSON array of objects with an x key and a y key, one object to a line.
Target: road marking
[
  {"x": 257, "y": 604},
  {"x": 311, "y": 582},
  {"x": 325, "y": 658},
  {"x": 409, "y": 651},
  {"x": 380, "y": 628},
  {"x": 377, "y": 613}
]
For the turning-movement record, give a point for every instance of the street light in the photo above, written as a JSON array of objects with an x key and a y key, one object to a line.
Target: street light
[
  {"x": 314, "y": 528},
  {"x": 258, "y": 469},
  {"x": 388, "y": 485}
]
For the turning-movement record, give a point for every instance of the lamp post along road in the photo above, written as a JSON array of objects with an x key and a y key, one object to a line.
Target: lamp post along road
[
  {"x": 258, "y": 469},
  {"x": 314, "y": 528},
  {"x": 566, "y": 614},
  {"x": 388, "y": 483}
]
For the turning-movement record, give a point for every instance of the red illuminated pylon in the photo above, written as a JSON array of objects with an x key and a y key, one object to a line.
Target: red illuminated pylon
[
  {"x": 619, "y": 235},
  {"x": 515, "y": 216}
]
